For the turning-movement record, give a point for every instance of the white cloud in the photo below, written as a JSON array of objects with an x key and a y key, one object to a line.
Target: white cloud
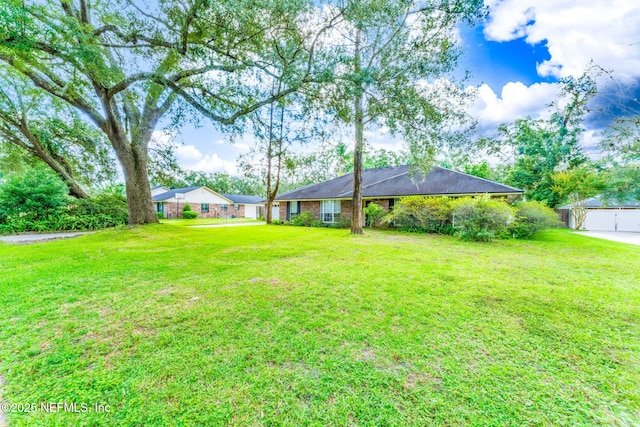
[
  {"x": 605, "y": 31},
  {"x": 189, "y": 157},
  {"x": 516, "y": 100}
]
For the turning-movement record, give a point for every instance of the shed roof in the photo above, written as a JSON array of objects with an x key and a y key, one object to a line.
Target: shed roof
[{"x": 398, "y": 181}]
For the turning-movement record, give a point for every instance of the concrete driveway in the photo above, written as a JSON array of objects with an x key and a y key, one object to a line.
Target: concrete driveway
[
  {"x": 40, "y": 237},
  {"x": 617, "y": 236}
]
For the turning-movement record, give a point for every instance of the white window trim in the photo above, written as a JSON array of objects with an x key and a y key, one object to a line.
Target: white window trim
[{"x": 332, "y": 208}]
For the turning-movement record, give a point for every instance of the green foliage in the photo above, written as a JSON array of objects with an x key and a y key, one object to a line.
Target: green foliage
[
  {"x": 276, "y": 222},
  {"x": 77, "y": 215},
  {"x": 189, "y": 214},
  {"x": 304, "y": 219},
  {"x": 542, "y": 147},
  {"x": 373, "y": 214},
  {"x": 423, "y": 214},
  {"x": 343, "y": 222},
  {"x": 532, "y": 217},
  {"x": 482, "y": 218},
  {"x": 186, "y": 208},
  {"x": 160, "y": 215},
  {"x": 622, "y": 182},
  {"x": 478, "y": 219},
  {"x": 34, "y": 194},
  {"x": 481, "y": 170},
  {"x": 220, "y": 182},
  {"x": 576, "y": 186}
]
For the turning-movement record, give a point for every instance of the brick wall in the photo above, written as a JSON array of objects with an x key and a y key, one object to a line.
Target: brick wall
[
  {"x": 346, "y": 210},
  {"x": 174, "y": 210}
]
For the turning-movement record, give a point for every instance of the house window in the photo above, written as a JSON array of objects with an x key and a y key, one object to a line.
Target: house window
[
  {"x": 236, "y": 207},
  {"x": 160, "y": 207},
  {"x": 294, "y": 209},
  {"x": 224, "y": 207},
  {"x": 330, "y": 210},
  {"x": 204, "y": 207}
]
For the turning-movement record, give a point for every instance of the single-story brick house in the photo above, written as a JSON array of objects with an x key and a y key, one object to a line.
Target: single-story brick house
[
  {"x": 330, "y": 200},
  {"x": 205, "y": 201}
]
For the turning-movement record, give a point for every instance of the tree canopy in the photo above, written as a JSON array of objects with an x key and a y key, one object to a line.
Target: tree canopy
[{"x": 124, "y": 65}]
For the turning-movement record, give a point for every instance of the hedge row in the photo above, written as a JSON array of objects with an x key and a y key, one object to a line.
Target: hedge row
[
  {"x": 77, "y": 215},
  {"x": 471, "y": 218}
]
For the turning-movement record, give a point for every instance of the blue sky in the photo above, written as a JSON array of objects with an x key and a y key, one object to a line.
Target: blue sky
[{"x": 516, "y": 57}]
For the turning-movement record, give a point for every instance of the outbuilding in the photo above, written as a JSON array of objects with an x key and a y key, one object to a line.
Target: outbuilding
[{"x": 607, "y": 215}]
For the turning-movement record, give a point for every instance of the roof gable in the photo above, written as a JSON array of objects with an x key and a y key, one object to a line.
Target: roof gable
[
  {"x": 172, "y": 193},
  {"x": 400, "y": 181}
]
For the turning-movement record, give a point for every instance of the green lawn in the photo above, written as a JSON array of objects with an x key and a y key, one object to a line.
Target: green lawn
[
  {"x": 205, "y": 221},
  {"x": 304, "y": 326}
]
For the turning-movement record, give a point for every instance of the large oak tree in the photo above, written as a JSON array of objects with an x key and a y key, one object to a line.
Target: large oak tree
[{"x": 125, "y": 66}]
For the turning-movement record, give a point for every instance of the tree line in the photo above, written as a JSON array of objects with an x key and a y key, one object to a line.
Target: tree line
[{"x": 84, "y": 82}]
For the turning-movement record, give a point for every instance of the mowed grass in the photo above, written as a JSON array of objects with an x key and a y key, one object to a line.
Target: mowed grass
[
  {"x": 268, "y": 326},
  {"x": 205, "y": 221}
]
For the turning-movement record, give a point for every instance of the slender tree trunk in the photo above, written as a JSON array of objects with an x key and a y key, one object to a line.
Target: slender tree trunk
[
  {"x": 270, "y": 194},
  {"x": 139, "y": 201},
  {"x": 357, "y": 215}
]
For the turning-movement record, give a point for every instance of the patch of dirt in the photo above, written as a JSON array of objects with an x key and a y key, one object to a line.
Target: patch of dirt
[{"x": 417, "y": 378}]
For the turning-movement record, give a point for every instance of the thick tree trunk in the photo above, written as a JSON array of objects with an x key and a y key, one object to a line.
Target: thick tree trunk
[
  {"x": 357, "y": 221},
  {"x": 136, "y": 178}
]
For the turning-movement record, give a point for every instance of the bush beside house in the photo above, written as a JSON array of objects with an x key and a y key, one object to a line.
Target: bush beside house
[{"x": 471, "y": 218}]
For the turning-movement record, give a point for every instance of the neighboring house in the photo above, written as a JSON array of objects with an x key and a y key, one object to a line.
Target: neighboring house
[
  {"x": 249, "y": 206},
  {"x": 206, "y": 202},
  {"x": 331, "y": 200},
  {"x": 159, "y": 189},
  {"x": 606, "y": 215}
]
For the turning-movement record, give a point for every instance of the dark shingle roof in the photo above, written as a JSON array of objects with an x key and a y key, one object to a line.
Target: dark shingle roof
[
  {"x": 399, "y": 181},
  {"x": 598, "y": 202},
  {"x": 243, "y": 199},
  {"x": 169, "y": 194}
]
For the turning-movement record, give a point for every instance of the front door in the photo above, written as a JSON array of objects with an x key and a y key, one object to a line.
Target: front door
[{"x": 275, "y": 211}]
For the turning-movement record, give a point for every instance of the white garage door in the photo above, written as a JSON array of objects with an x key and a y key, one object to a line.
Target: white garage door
[
  {"x": 612, "y": 220},
  {"x": 628, "y": 219}
]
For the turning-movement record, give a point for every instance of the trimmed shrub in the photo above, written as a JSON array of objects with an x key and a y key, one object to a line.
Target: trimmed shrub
[
  {"x": 189, "y": 214},
  {"x": 276, "y": 222},
  {"x": 532, "y": 217},
  {"x": 481, "y": 219},
  {"x": 373, "y": 214},
  {"x": 343, "y": 222},
  {"x": 186, "y": 208},
  {"x": 160, "y": 215},
  {"x": 423, "y": 214},
  {"x": 303, "y": 219}
]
